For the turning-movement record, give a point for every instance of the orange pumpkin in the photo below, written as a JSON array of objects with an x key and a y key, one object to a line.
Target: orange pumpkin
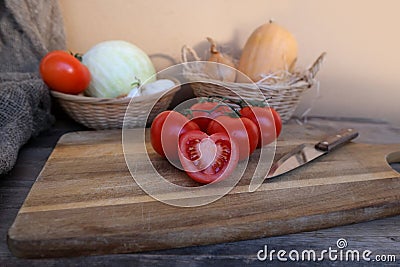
[{"x": 269, "y": 49}]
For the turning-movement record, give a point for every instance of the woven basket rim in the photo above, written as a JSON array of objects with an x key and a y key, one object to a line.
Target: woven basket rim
[
  {"x": 301, "y": 79},
  {"x": 301, "y": 83},
  {"x": 282, "y": 90},
  {"x": 102, "y": 100}
]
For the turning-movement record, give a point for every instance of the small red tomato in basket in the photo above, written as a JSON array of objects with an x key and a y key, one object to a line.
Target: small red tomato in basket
[{"x": 64, "y": 73}]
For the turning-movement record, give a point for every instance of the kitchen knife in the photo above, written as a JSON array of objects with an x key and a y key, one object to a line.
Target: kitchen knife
[{"x": 305, "y": 153}]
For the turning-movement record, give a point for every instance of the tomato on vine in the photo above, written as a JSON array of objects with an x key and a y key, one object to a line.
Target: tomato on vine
[
  {"x": 165, "y": 131},
  {"x": 242, "y": 130},
  {"x": 267, "y": 120},
  {"x": 203, "y": 112}
]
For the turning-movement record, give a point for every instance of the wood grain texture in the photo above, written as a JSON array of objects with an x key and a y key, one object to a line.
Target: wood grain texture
[{"x": 85, "y": 201}]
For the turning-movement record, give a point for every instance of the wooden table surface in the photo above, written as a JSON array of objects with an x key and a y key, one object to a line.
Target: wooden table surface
[{"x": 381, "y": 237}]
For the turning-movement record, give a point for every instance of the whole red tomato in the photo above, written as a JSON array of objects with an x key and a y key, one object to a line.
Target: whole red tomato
[
  {"x": 202, "y": 113},
  {"x": 268, "y": 122},
  {"x": 207, "y": 158},
  {"x": 242, "y": 130},
  {"x": 165, "y": 131},
  {"x": 64, "y": 73}
]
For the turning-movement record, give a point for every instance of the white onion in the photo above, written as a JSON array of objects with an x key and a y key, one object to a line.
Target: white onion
[
  {"x": 116, "y": 68},
  {"x": 134, "y": 92},
  {"x": 158, "y": 86}
]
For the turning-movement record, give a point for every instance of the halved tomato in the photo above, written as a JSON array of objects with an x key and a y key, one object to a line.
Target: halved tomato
[{"x": 207, "y": 158}]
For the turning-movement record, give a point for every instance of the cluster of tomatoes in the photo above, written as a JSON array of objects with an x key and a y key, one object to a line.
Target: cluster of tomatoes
[{"x": 212, "y": 137}]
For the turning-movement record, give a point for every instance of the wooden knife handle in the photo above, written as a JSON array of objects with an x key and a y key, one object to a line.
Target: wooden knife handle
[{"x": 334, "y": 141}]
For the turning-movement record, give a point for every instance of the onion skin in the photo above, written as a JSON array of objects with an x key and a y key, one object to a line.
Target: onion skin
[
  {"x": 158, "y": 86},
  {"x": 220, "y": 72}
]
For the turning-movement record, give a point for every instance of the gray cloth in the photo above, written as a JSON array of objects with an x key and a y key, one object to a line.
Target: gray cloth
[{"x": 28, "y": 30}]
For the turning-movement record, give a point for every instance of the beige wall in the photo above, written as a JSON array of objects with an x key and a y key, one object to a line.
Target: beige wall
[{"x": 360, "y": 77}]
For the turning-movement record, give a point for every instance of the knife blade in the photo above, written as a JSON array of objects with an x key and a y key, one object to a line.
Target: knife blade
[{"x": 305, "y": 153}]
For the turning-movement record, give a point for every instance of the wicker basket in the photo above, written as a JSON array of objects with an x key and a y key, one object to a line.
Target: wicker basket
[
  {"x": 282, "y": 91},
  {"x": 109, "y": 113}
]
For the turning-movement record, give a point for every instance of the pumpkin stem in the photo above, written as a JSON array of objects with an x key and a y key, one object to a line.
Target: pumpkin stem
[{"x": 213, "y": 48}]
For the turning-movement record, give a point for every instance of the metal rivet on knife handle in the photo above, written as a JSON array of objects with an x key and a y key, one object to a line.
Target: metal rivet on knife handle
[{"x": 334, "y": 141}]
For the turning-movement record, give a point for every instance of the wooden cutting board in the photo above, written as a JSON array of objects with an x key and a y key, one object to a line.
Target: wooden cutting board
[{"x": 86, "y": 202}]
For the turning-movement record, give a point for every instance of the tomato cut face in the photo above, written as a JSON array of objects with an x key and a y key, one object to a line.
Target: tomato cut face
[{"x": 207, "y": 158}]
